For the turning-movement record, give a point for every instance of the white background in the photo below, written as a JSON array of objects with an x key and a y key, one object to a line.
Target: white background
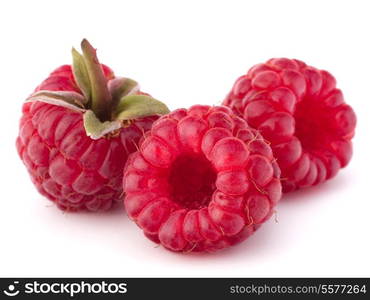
[{"x": 185, "y": 53}]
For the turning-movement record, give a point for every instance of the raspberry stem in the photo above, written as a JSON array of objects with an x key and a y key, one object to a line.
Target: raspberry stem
[{"x": 106, "y": 102}]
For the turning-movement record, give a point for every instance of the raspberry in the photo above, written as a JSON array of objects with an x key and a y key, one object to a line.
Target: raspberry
[
  {"x": 202, "y": 180},
  {"x": 75, "y": 171},
  {"x": 299, "y": 110}
]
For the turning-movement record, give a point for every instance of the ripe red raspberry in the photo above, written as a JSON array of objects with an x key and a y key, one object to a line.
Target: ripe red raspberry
[
  {"x": 301, "y": 112},
  {"x": 202, "y": 180},
  {"x": 74, "y": 170}
]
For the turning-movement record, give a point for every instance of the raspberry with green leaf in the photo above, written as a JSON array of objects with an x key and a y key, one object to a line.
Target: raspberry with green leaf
[{"x": 78, "y": 128}]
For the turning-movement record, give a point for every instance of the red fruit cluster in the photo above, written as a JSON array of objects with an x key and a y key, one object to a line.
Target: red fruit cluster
[
  {"x": 299, "y": 110},
  {"x": 202, "y": 180},
  {"x": 197, "y": 179},
  {"x": 68, "y": 167}
]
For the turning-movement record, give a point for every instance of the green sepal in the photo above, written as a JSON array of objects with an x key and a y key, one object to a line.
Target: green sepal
[
  {"x": 120, "y": 87},
  {"x": 95, "y": 128},
  {"x": 67, "y": 99},
  {"x": 138, "y": 106},
  {"x": 101, "y": 100},
  {"x": 130, "y": 108},
  {"x": 80, "y": 73}
]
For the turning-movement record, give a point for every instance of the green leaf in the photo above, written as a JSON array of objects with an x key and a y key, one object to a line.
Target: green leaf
[
  {"x": 80, "y": 73},
  {"x": 95, "y": 128},
  {"x": 138, "y": 106},
  {"x": 130, "y": 107},
  {"x": 67, "y": 99},
  {"x": 120, "y": 87},
  {"x": 101, "y": 99}
]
